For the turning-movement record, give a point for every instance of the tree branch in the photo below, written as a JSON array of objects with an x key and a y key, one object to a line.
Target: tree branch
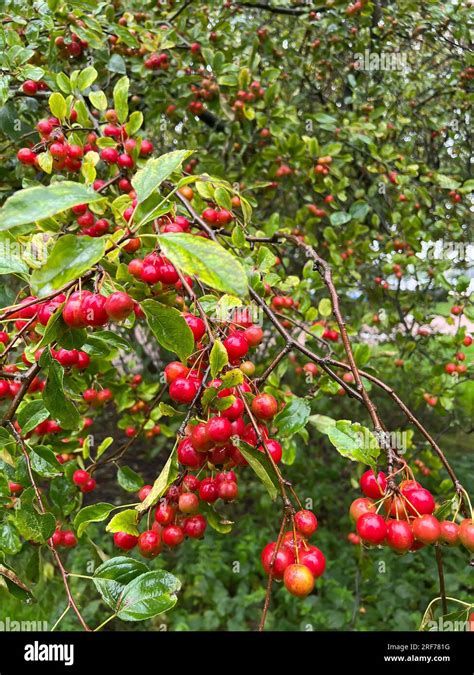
[{"x": 64, "y": 574}]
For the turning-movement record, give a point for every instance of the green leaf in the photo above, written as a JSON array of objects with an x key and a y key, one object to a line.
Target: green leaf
[
  {"x": 129, "y": 480},
  {"x": 36, "y": 203},
  {"x": 214, "y": 266},
  {"x": 340, "y": 218},
  {"x": 169, "y": 328},
  {"x": 105, "y": 340},
  {"x": 113, "y": 575},
  {"x": 10, "y": 541},
  {"x": 134, "y": 123},
  {"x": 322, "y": 422},
  {"x": 361, "y": 354},
  {"x": 86, "y": 77},
  {"x": 57, "y": 105},
  {"x": 359, "y": 210},
  {"x": 44, "y": 462},
  {"x": 63, "y": 83},
  {"x": 293, "y": 416},
  {"x": 10, "y": 261},
  {"x": 4, "y": 489},
  {"x": 447, "y": 182},
  {"x": 45, "y": 161},
  {"x": 70, "y": 258},
  {"x": 106, "y": 443},
  {"x": 31, "y": 414},
  {"x": 445, "y": 509},
  {"x": 94, "y": 513},
  {"x": 121, "y": 98},
  {"x": 148, "y": 595},
  {"x": 98, "y": 100},
  {"x": 37, "y": 527},
  {"x": 60, "y": 407},
  {"x": 125, "y": 521},
  {"x": 262, "y": 466},
  {"x": 167, "y": 410},
  {"x": 222, "y": 198},
  {"x": 64, "y": 495},
  {"x": 167, "y": 476},
  {"x": 216, "y": 521},
  {"x": 155, "y": 171},
  {"x": 322, "y": 118},
  {"x": 325, "y": 307},
  {"x": 116, "y": 64},
  {"x": 354, "y": 441},
  {"x": 232, "y": 379},
  {"x": 266, "y": 260},
  {"x": 218, "y": 358}
]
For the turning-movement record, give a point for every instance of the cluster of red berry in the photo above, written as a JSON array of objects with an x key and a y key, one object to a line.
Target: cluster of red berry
[
  {"x": 127, "y": 150},
  {"x": 217, "y": 217},
  {"x": 322, "y": 166},
  {"x": 10, "y": 388},
  {"x": 216, "y": 440},
  {"x": 32, "y": 87},
  {"x": 84, "y": 308},
  {"x": 154, "y": 269},
  {"x": 293, "y": 559},
  {"x": 97, "y": 398},
  {"x": 157, "y": 61},
  {"x": 207, "y": 90},
  {"x": 458, "y": 367},
  {"x": 242, "y": 97},
  {"x": 69, "y": 358},
  {"x": 73, "y": 47},
  {"x": 409, "y": 523},
  {"x": 65, "y": 156},
  {"x": 84, "y": 480},
  {"x": 177, "y": 514},
  {"x": 65, "y": 538}
]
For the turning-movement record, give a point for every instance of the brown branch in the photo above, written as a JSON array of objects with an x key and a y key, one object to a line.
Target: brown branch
[
  {"x": 326, "y": 273},
  {"x": 15, "y": 339},
  {"x": 303, "y": 328},
  {"x": 279, "y": 357},
  {"x": 27, "y": 380},
  {"x": 321, "y": 361},
  {"x": 181, "y": 9},
  {"x": 64, "y": 573}
]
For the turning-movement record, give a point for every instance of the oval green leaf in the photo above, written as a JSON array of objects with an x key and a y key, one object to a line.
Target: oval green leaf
[
  {"x": 36, "y": 203},
  {"x": 206, "y": 259},
  {"x": 70, "y": 258}
]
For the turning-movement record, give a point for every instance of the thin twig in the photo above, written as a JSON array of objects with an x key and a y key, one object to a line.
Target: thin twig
[
  {"x": 442, "y": 586},
  {"x": 56, "y": 556}
]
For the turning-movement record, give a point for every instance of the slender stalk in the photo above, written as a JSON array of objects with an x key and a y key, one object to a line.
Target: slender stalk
[
  {"x": 56, "y": 623},
  {"x": 64, "y": 574},
  {"x": 442, "y": 585},
  {"x": 268, "y": 592}
]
